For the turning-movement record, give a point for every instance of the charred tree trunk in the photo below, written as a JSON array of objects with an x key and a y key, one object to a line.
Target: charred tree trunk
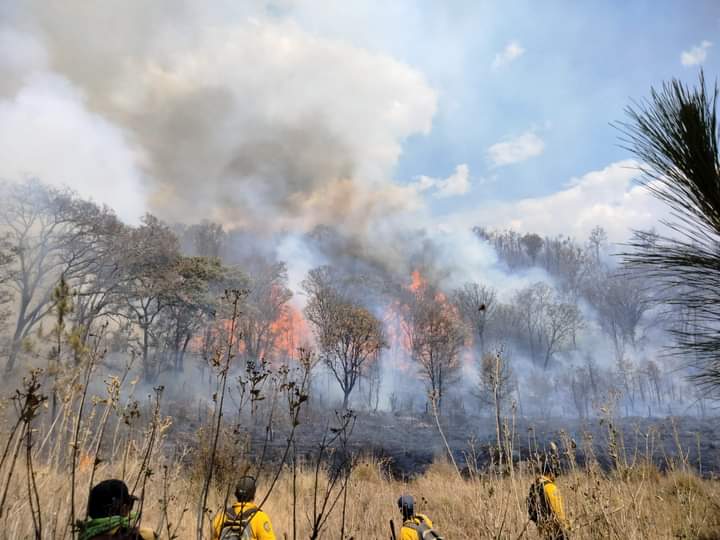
[
  {"x": 14, "y": 350},
  {"x": 17, "y": 338},
  {"x": 145, "y": 353}
]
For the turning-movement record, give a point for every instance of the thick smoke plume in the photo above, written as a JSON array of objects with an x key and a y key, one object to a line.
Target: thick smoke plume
[{"x": 227, "y": 113}]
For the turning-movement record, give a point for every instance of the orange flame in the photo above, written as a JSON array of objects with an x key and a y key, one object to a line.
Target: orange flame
[
  {"x": 416, "y": 281},
  {"x": 292, "y": 331},
  {"x": 396, "y": 321},
  {"x": 398, "y": 340}
]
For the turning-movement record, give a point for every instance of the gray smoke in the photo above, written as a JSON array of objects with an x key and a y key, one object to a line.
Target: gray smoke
[{"x": 233, "y": 113}]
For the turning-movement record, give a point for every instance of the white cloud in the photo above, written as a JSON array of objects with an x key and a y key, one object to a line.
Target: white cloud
[
  {"x": 458, "y": 183},
  {"x": 516, "y": 149},
  {"x": 510, "y": 53},
  {"x": 696, "y": 55},
  {"x": 608, "y": 197}
]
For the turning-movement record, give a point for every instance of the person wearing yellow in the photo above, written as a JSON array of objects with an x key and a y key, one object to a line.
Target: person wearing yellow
[
  {"x": 415, "y": 526},
  {"x": 545, "y": 504},
  {"x": 244, "y": 520},
  {"x": 109, "y": 514}
]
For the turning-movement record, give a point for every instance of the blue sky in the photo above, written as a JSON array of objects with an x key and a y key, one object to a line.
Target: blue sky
[
  {"x": 583, "y": 63},
  {"x": 439, "y": 113}
]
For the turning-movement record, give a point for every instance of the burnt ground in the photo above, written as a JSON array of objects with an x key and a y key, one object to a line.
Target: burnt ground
[
  {"x": 408, "y": 444},
  {"x": 412, "y": 443}
]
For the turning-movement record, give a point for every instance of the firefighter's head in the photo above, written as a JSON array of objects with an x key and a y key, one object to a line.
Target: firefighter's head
[
  {"x": 406, "y": 504},
  {"x": 245, "y": 489},
  {"x": 110, "y": 498}
]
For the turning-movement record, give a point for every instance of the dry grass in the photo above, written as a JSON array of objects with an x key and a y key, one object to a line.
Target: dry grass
[
  {"x": 632, "y": 502},
  {"x": 642, "y": 506}
]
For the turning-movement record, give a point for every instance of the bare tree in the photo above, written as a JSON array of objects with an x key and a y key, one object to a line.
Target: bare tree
[
  {"x": 674, "y": 133},
  {"x": 528, "y": 310},
  {"x": 508, "y": 245},
  {"x": 561, "y": 322},
  {"x": 654, "y": 376},
  {"x": 41, "y": 225},
  {"x": 495, "y": 387},
  {"x": 476, "y": 304},
  {"x": 435, "y": 336},
  {"x": 625, "y": 382},
  {"x": 547, "y": 322},
  {"x": 568, "y": 262},
  {"x": 621, "y": 301},
  {"x": 596, "y": 241},
  {"x": 594, "y": 377},
  {"x": 373, "y": 376},
  {"x": 349, "y": 336},
  {"x": 578, "y": 383}
]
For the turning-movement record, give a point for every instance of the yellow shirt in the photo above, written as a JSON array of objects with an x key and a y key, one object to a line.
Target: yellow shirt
[
  {"x": 551, "y": 521},
  {"x": 260, "y": 526},
  {"x": 554, "y": 499},
  {"x": 408, "y": 533}
]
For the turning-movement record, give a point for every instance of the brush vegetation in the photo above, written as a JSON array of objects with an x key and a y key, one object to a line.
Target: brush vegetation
[
  {"x": 639, "y": 503},
  {"x": 48, "y": 466}
]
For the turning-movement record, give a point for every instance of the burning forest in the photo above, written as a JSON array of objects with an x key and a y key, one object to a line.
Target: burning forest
[{"x": 228, "y": 282}]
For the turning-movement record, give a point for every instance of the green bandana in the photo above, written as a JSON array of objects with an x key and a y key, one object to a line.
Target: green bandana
[{"x": 95, "y": 527}]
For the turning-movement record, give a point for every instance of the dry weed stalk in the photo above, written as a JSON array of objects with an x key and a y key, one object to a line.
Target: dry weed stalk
[
  {"x": 91, "y": 362},
  {"x": 27, "y": 404},
  {"x": 233, "y": 296},
  {"x": 334, "y": 447},
  {"x": 432, "y": 397}
]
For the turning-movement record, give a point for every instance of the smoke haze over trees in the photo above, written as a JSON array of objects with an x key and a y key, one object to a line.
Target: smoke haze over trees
[
  {"x": 575, "y": 330},
  {"x": 262, "y": 179}
]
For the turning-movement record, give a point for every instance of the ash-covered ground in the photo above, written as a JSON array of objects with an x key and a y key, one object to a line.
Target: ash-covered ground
[
  {"x": 408, "y": 443},
  {"x": 411, "y": 443}
]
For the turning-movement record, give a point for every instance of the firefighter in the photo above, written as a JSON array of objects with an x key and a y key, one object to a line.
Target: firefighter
[
  {"x": 415, "y": 526},
  {"x": 110, "y": 516},
  {"x": 244, "y": 520},
  {"x": 544, "y": 502}
]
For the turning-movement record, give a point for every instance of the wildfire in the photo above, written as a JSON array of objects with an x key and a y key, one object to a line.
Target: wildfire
[
  {"x": 419, "y": 284},
  {"x": 282, "y": 337},
  {"x": 416, "y": 281},
  {"x": 292, "y": 331},
  {"x": 423, "y": 290},
  {"x": 397, "y": 338}
]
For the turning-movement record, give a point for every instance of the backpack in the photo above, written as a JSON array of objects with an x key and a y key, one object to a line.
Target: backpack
[
  {"x": 537, "y": 504},
  {"x": 423, "y": 531},
  {"x": 237, "y": 527}
]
